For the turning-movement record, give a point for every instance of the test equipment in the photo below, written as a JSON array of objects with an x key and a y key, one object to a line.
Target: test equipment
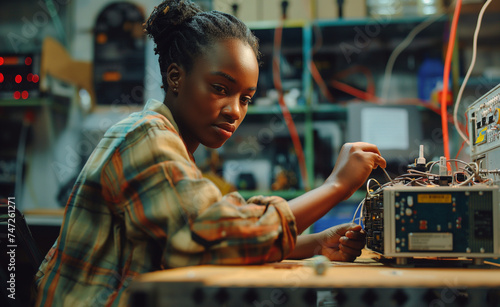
[
  {"x": 442, "y": 214},
  {"x": 433, "y": 221},
  {"x": 484, "y": 136}
]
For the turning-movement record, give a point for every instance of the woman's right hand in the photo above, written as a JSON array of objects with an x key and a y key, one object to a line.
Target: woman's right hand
[{"x": 354, "y": 164}]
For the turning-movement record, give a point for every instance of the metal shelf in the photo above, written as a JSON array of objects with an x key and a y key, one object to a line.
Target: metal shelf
[
  {"x": 275, "y": 109},
  {"x": 30, "y": 102}
]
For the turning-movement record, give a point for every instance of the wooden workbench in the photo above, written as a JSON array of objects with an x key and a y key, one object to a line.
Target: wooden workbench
[{"x": 366, "y": 282}]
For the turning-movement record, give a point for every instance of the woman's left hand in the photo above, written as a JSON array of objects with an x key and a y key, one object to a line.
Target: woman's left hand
[{"x": 343, "y": 242}]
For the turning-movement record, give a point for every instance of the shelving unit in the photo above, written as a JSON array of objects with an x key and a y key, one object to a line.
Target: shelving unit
[
  {"x": 27, "y": 127},
  {"x": 299, "y": 47}
]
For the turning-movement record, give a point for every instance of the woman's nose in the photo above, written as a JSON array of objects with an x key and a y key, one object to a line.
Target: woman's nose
[{"x": 232, "y": 109}]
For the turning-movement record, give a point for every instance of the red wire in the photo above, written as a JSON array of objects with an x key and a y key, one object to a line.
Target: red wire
[
  {"x": 284, "y": 109},
  {"x": 319, "y": 80},
  {"x": 446, "y": 77},
  {"x": 370, "y": 87},
  {"x": 353, "y": 91}
]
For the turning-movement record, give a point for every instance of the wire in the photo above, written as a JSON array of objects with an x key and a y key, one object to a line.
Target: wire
[
  {"x": 370, "y": 86},
  {"x": 319, "y": 80},
  {"x": 397, "y": 51},
  {"x": 368, "y": 186},
  {"x": 357, "y": 209},
  {"x": 471, "y": 175},
  {"x": 466, "y": 131},
  {"x": 368, "y": 95},
  {"x": 388, "y": 177},
  {"x": 314, "y": 69},
  {"x": 469, "y": 71},
  {"x": 446, "y": 79},
  {"x": 353, "y": 91},
  {"x": 284, "y": 109}
]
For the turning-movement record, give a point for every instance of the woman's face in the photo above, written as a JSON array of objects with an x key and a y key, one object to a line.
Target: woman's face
[{"x": 213, "y": 97}]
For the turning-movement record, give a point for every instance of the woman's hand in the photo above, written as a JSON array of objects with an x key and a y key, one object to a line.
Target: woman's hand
[
  {"x": 354, "y": 164},
  {"x": 343, "y": 242}
]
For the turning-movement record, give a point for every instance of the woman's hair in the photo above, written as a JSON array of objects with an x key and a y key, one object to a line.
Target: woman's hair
[{"x": 182, "y": 31}]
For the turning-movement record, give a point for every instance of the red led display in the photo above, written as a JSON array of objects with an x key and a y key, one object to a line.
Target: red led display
[{"x": 18, "y": 78}]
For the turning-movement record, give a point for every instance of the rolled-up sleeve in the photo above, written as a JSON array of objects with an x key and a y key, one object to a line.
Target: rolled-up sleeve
[
  {"x": 168, "y": 202},
  {"x": 232, "y": 231}
]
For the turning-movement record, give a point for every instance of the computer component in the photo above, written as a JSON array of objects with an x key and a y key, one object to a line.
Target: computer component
[{"x": 484, "y": 131}]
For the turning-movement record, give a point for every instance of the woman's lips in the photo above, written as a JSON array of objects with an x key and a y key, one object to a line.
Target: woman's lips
[
  {"x": 226, "y": 126},
  {"x": 226, "y": 129}
]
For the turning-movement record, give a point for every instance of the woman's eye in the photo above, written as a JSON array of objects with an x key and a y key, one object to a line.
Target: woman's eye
[
  {"x": 246, "y": 100},
  {"x": 219, "y": 89}
]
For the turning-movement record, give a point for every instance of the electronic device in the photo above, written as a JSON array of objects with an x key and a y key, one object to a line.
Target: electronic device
[
  {"x": 413, "y": 221},
  {"x": 119, "y": 55},
  {"x": 392, "y": 128},
  {"x": 19, "y": 79},
  {"x": 484, "y": 133},
  {"x": 434, "y": 214}
]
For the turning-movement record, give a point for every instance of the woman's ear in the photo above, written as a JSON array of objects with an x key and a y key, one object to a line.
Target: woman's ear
[{"x": 174, "y": 76}]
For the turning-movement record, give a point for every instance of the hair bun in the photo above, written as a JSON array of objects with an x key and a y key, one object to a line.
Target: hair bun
[{"x": 168, "y": 16}]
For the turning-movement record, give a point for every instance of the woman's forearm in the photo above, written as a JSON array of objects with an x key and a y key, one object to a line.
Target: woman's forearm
[
  {"x": 307, "y": 246},
  {"x": 311, "y": 206}
]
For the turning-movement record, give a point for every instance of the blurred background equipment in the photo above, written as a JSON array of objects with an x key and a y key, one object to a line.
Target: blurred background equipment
[{"x": 119, "y": 55}]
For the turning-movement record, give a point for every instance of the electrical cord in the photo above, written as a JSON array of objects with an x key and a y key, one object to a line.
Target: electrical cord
[
  {"x": 314, "y": 69},
  {"x": 360, "y": 206},
  {"x": 446, "y": 79},
  {"x": 469, "y": 71},
  {"x": 369, "y": 95},
  {"x": 400, "y": 48},
  {"x": 234, "y": 7},
  {"x": 284, "y": 108},
  {"x": 340, "y": 4}
]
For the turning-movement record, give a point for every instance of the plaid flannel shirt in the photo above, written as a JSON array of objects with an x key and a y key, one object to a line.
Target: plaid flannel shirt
[{"x": 140, "y": 204}]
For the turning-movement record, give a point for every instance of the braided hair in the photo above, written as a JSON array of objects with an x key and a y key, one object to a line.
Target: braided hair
[{"x": 181, "y": 31}]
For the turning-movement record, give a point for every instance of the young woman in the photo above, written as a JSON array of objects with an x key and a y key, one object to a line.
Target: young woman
[{"x": 140, "y": 203}]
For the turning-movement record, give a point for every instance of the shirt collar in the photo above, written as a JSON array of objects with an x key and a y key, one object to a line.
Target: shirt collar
[{"x": 160, "y": 108}]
